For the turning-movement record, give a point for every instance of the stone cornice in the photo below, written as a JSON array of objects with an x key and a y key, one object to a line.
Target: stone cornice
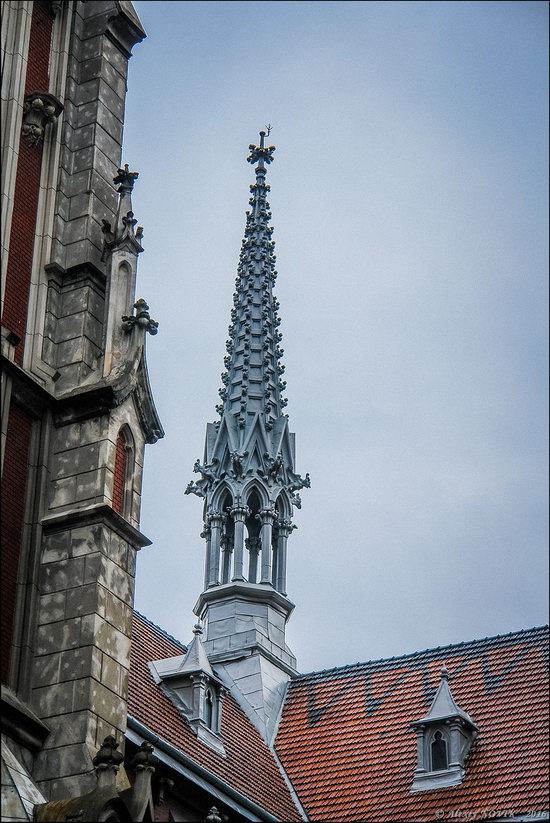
[
  {"x": 94, "y": 514},
  {"x": 255, "y": 592}
]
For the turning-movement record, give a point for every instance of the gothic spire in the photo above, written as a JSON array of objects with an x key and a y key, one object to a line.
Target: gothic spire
[
  {"x": 248, "y": 481},
  {"x": 252, "y": 380}
]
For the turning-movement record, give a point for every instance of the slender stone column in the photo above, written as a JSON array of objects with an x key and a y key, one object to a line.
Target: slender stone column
[
  {"x": 253, "y": 546},
  {"x": 240, "y": 513},
  {"x": 207, "y": 535},
  {"x": 285, "y": 528},
  {"x": 267, "y": 517},
  {"x": 226, "y": 552},
  {"x": 454, "y": 744},
  {"x": 420, "y": 764},
  {"x": 215, "y": 521},
  {"x": 275, "y": 553}
]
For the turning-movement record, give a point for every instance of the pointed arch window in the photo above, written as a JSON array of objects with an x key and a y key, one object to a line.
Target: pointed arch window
[
  {"x": 209, "y": 710},
  {"x": 123, "y": 472},
  {"x": 253, "y": 543},
  {"x": 439, "y": 752}
]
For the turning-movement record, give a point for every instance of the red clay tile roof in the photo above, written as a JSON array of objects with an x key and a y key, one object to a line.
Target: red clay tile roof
[
  {"x": 249, "y": 766},
  {"x": 345, "y": 743}
]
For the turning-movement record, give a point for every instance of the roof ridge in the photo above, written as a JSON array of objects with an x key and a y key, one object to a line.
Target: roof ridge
[
  {"x": 408, "y": 655},
  {"x": 161, "y": 631}
]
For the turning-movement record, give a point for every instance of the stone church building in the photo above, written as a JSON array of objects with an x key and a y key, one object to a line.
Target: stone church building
[{"x": 106, "y": 717}]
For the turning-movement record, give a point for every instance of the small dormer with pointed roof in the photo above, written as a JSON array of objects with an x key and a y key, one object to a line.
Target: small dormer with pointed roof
[
  {"x": 189, "y": 681},
  {"x": 443, "y": 741}
]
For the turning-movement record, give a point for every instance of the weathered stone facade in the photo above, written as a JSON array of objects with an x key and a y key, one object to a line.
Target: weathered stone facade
[{"x": 75, "y": 384}]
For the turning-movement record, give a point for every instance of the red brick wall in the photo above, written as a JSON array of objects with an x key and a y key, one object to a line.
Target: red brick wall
[
  {"x": 120, "y": 474},
  {"x": 14, "y": 484},
  {"x": 27, "y": 181}
]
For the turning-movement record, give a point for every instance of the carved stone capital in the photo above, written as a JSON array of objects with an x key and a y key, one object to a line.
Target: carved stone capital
[
  {"x": 239, "y": 512},
  {"x": 253, "y": 544},
  {"x": 39, "y": 109},
  {"x": 286, "y": 527},
  {"x": 267, "y": 517},
  {"x": 216, "y": 518}
]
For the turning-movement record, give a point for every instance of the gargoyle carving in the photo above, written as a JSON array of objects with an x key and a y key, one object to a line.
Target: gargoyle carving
[
  {"x": 207, "y": 475},
  {"x": 296, "y": 500},
  {"x": 274, "y": 466},
  {"x": 195, "y": 488},
  {"x": 237, "y": 460},
  {"x": 298, "y": 482}
]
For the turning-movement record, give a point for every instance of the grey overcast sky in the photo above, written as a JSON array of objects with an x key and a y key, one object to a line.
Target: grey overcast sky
[{"x": 409, "y": 200}]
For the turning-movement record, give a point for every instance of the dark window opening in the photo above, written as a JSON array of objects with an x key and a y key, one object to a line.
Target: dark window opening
[
  {"x": 208, "y": 710},
  {"x": 439, "y": 752},
  {"x": 121, "y": 468}
]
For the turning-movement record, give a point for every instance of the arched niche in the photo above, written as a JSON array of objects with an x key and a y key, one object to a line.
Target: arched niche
[
  {"x": 123, "y": 471},
  {"x": 253, "y": 528},
  {"x": 283, "y": 506},
  {"x": 228, "y": 535}
]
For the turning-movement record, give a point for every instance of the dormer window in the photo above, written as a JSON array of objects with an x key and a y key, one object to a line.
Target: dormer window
[
  {"x": 443, "y": 740},
  {"x": 191, "y": 684}
]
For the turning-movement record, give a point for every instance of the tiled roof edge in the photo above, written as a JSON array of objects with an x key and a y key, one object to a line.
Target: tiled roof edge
[
  {"x": 160, "y": 630},
  {"x": 289, "y": 784},
  {"x": 144, "y": 732},
  {"x": 321, "y": 673}
]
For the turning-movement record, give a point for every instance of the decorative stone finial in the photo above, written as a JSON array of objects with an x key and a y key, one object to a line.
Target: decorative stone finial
[
  {"x": 144, "y": 758},
  {"x": 213, "y": 816},
  {"x": 107, "y": 761},
  {"x": 142, "y": 318},
  {"x": 39, "y": 109},
  {"x": 444, "y": 673},
  {"x": 197, "y": 630},
  {"x": 261, "y": 154},
  {"x": 125, "y": 180}
]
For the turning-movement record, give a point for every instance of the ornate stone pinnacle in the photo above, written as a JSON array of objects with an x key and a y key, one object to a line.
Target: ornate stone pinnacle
[
  {"x": 197, "y": 630},
  {"x": 444, "y": 673}
]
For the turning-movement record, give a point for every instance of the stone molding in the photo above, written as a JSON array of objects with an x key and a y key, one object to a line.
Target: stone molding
[
  {"x": 93, "y": 515},
  {"x": 253, "y": 592}
]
